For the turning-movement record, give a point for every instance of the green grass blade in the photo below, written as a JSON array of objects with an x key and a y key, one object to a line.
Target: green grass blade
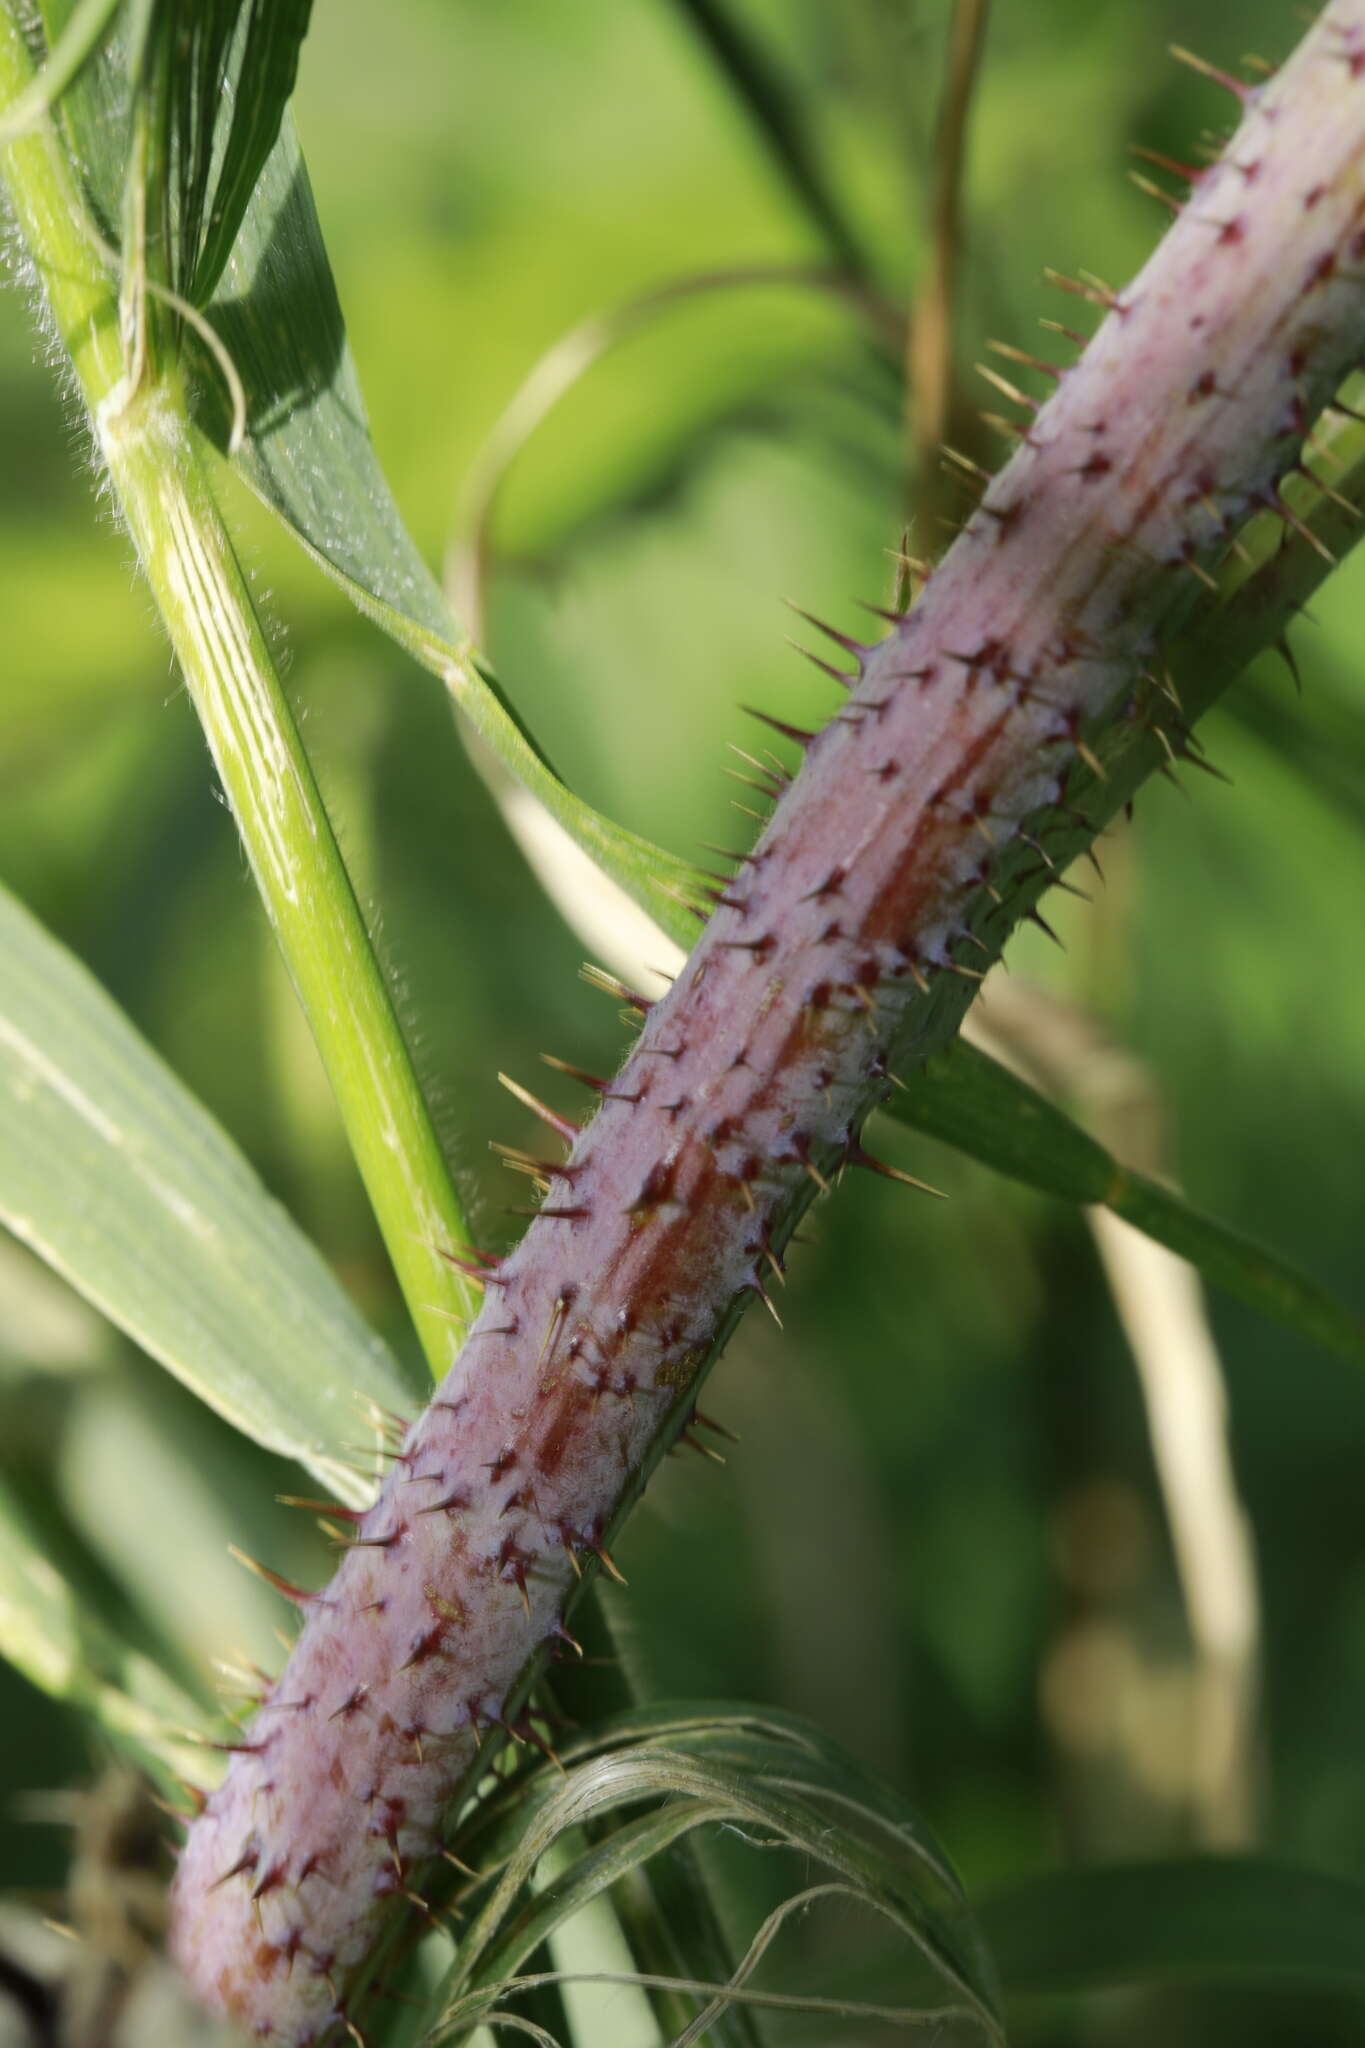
[
  {"x": 694, "y": 1791},
  {"x": 975, "y": 1104},
  {"x": 210, "y": 82},
  {"x": 308, "y": 455},
  {"x": 265, "y": 66},
  {"x": 80, "y": 36},
  {"x": 141, "y": 424},
  {"x": 1188, "y": 1921},
  {"x": 113, "y": 1173},
  {"x": 781, "y": 124},
  {"x": 63, "y": 1647},
  {"x": 1323, "y": 742}
]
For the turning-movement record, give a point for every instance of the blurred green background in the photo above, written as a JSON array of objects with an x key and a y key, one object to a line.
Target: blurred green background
[{"x": 941, "y": 1535}]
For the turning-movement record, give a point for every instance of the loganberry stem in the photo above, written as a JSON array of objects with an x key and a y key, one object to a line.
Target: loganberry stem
[{"x": 889, "y": 874}]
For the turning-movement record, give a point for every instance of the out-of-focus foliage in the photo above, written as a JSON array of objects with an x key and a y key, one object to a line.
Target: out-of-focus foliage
[{"x": 941, "y": 1534}]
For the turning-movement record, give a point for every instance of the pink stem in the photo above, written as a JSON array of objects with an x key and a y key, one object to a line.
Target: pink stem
[{"x": 840, "y": 946}]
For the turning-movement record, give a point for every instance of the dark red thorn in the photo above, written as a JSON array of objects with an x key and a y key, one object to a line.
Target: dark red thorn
[
  {"x": 855, "y": 1155},
  {"x": 597, "y": 977},
  {"x": 1192, "y": 172},
  {"x": 500, "y": 1330},
  {"x": 1286, "y": 653},
  {"x": 321, "y": 1507},
  {"x": 752, "y": 782},
  {"x": 1239, "y": 90},
  {"x": 385, "y": 1542},
  {"x": 831, "y": 886},
  {"x": 428, "y": 1644},
  {"x": 759, "y": 947},
  {"x": 350, "y": 1705},
  {"x": 717, "y": 1428},
  {"x": 729, "y": 853},
  {"x": 845, "y": 640},
  {"x": 1152, "y": 190},
  {"x": 453, "y": 1504},
  {"x": 563, "y": 1126},
  {"x": 1304, "y": 531},
  {"x": 1195, "y": 760},
  {"x": 485, "y": 1274},
  {"x": 555, "y": 1215},
  {"x": 607, "y": 1562},
  {"x": 755, "y": 1286},
  {"x": 529, "y": 1162},
  {"x": 270, "y": 1880},
  {"x": 248, "y": 1860},
  {"x": 693, "y": 1443},
  {"x": 1035, "y": 916},
  {"x": 841, "y": 676},
  {"x": 1019, "y": 355},
  {"x": 558, "y": 1629},
  {"x": 770, "y": 767},
  {"x": 298, "y": 1594},
  {"x": 881, "y": 611},
  {"x": 801, "y": 734}
]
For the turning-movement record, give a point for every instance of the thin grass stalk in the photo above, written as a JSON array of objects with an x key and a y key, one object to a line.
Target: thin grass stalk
[{"x": 143, "y": 440}]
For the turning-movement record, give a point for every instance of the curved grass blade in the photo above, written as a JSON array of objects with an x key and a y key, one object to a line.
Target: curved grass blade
[
  {"x": 667, "y": 1911},
  {"x": 63, "y": 1647},
  {"x": 765, "y": 1742},
  {"x": 698, "y": 1792},
  {"x": 574, "y": 353},
  {"x": 211, "y": 80},
  {"x": 113, "y": 1173},
  {"x": 265, "y": 65},
  {"x": 977, "y": 1105},
  {"x": 1188, "y": 1921},
  {"x": 308, "y": 455}
]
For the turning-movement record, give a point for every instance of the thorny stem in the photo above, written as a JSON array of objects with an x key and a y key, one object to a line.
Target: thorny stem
[
  {"x": 911, "y": 835},
  {"x": 142, "y": 433}
]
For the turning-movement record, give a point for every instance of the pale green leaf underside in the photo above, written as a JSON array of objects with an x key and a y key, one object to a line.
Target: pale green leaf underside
[
  {"x": 116, "y": 1176},
  {"x": 308, "y": 455},
  {"x": 62, "y": 1647},
  {"x": 976, "y": 1105}
]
